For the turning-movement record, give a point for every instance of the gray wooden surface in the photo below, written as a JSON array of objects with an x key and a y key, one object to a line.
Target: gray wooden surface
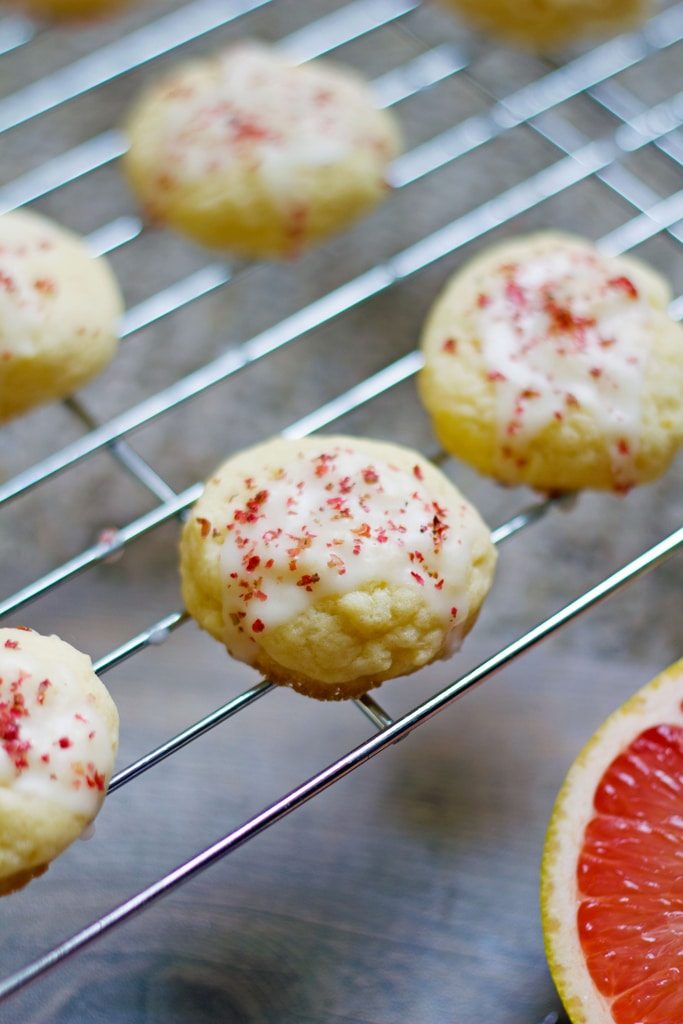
[{"x": 408, "y": 892}]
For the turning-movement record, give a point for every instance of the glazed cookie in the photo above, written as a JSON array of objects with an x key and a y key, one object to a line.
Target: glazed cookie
[
  {"x": 78, "y": 10},
  {"x": 59, "y": 735},
  {"x": 545, "y": 23},
  {"x": 250, "y": 152},
  {"x": 551, "y": 365},
  {"x": 333, "y": 563},
  {"x": 59, "y": 308}
]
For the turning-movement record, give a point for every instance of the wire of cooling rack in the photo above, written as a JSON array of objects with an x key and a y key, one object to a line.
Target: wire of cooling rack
[
  {"x": 590, "y": 159},
  {"x": 390, "y": 733},
  {"x": 14, "y": 32},
  {"x": 371, "y": 387},
  {"x": 536, "y": 107}
]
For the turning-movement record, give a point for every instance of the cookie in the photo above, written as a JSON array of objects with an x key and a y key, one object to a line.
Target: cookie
[
  {"x": 59, "y": 310},
  {"x": 549, "y": 364},
  {"x": 539, "y": 24},
  {"x": 250, "y": 152},
  {"x": 58, "y": 742},
  {"x": 334, "y": 563},
  {"x": 65, "y": 10}
]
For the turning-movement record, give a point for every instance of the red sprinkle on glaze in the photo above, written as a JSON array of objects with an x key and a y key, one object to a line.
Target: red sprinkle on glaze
[
  {"x": 14, "y": 746},
  {"x": 565, "y": 320},
  {"x": 420, "y": 579},
  {"x": 11, "y": 644},
  {"x": 94, "y": 779},
  {"x": 335, "y": 562},
  {"x": 245, "y": 129},
  {"x": 623, "y": 447},
  {"x": 495, "y": 375},
  {"x": 514, "y": 294},
  {"x": 450, "y": 345},
  {"x": 483, "y": 300},
  {"x": 45, "y": 285},
  {"x": 417, "y": 472},
  {"x": 10, "y": 730},
  {"x": 18, "y": 707},
  {"x": 624, "y": 284},
  {"x": 370, "y": 476},
  {"x": 257, "y": 626},
  {"x": 253, "y": 563},
  {"x": 205, "y": 525},
  {"x": 454, "y": 612},
  {"x": 64, "y": 742},
  {"x": 308, "y": 580}
]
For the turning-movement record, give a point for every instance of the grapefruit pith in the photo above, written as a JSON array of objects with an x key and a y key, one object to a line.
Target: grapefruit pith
[{"x": 612, "y": 872}]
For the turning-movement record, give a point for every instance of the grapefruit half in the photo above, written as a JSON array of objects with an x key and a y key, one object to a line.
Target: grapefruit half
[{"x": 612, "y": 871}]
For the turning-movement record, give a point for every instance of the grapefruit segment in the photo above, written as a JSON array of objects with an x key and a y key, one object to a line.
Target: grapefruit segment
[{"x": 612, "y": 876}]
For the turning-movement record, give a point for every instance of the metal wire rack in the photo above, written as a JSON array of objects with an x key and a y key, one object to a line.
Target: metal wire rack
[{"x": 636, "y": 127}]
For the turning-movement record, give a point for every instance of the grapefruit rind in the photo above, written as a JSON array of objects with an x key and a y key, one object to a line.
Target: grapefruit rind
[{"x": 657, "y": 703}]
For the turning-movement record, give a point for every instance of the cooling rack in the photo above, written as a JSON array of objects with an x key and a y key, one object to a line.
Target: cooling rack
[{"x": 633, "y": 133}]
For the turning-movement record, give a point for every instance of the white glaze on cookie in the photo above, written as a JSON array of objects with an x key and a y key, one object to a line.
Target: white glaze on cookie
[
  {"x": 560, "y": 332},
  {"x": 265, "y": 112},
  {"x": 330, "y": 522},
  {"x": 55, "y": 744},
  {"x": 27, "y": 291}
]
